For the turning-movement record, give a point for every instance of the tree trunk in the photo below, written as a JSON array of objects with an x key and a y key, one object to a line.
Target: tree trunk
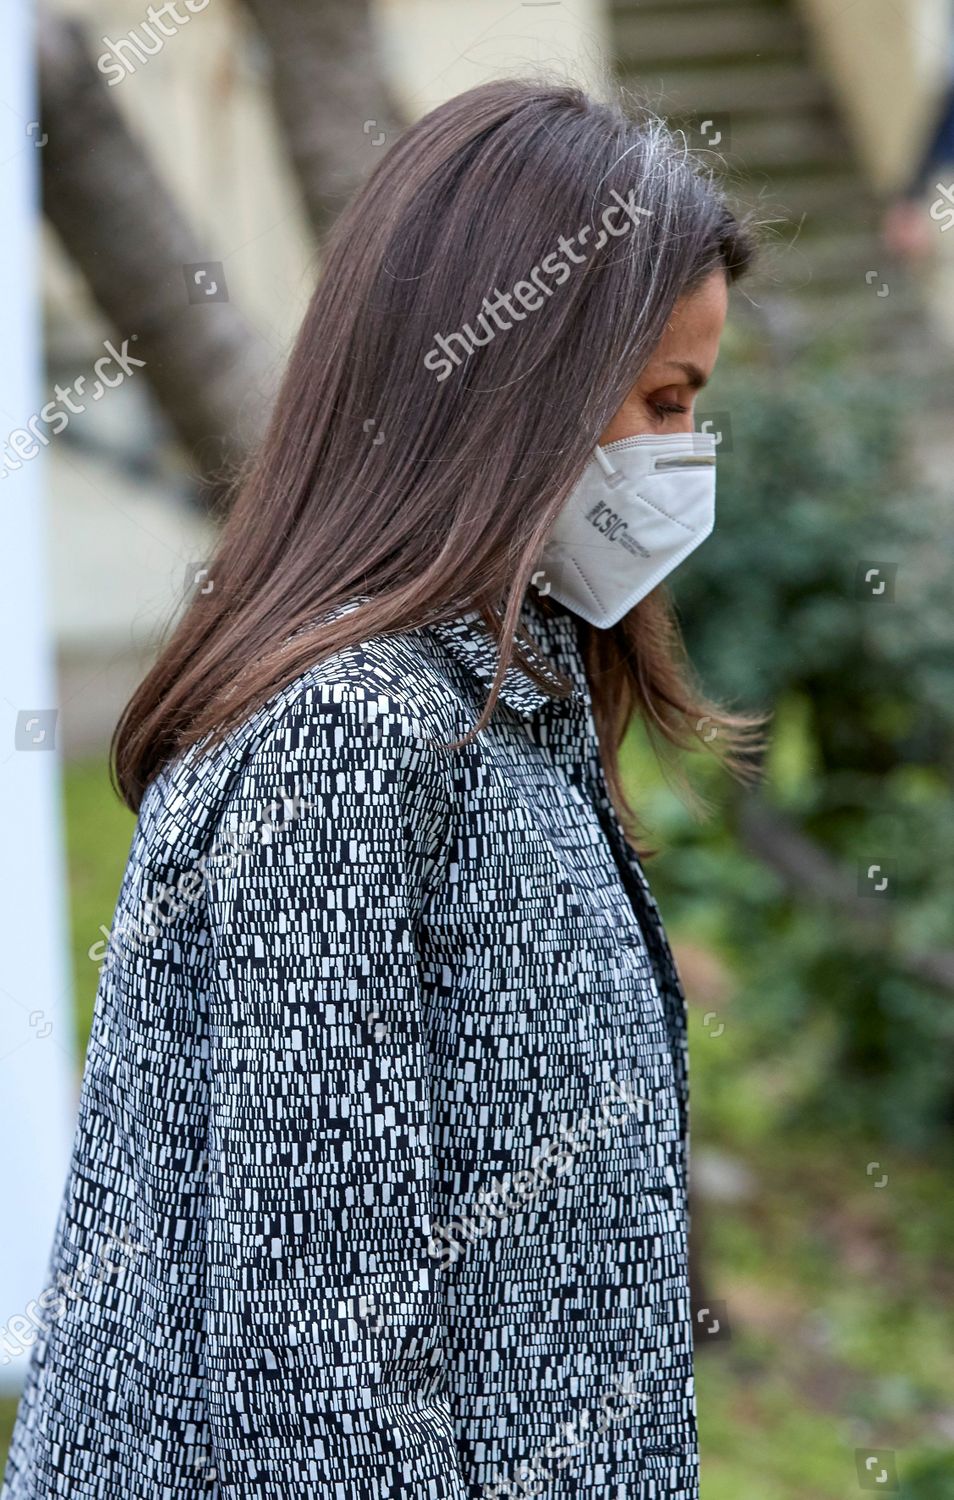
[
  {"x": 330, "y": 96},
  {"x": 121, "y": 226}
]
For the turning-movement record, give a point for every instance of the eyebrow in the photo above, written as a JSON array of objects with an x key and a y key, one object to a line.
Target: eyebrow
[{"x": 693, "y": 374}]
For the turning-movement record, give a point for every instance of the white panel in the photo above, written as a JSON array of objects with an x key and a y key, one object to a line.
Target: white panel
[{"x": 37, "y": 1100}]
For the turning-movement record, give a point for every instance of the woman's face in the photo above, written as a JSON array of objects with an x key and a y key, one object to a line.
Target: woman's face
[{"x": 663, "y": 397}]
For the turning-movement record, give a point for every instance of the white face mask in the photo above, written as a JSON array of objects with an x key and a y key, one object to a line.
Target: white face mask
[{"x": 641, "y": 505}]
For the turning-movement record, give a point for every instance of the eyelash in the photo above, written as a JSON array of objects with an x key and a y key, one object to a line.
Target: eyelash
[{"x": 663, "y": 408}]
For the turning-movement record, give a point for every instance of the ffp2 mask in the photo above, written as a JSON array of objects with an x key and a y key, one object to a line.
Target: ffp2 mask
[{"x": 641, "y": 505}]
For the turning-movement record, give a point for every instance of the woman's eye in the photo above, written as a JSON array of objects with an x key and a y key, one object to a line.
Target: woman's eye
[{"x": 664, "y": 408}]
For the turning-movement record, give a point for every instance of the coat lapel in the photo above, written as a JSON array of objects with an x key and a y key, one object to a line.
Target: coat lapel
[
  {"x": 469, "y": 641},
  {"x": 668, "y": 982},
  {"x": 471, "y": 644}
]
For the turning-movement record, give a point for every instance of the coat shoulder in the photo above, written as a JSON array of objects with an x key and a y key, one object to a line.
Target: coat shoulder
[{"x": 393, "y": 684}]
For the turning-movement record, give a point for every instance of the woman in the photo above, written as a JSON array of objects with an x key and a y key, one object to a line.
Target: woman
[{"x": 385, "y": 1100}]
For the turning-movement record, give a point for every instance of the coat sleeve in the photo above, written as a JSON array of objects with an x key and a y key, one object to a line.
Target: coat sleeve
[{"x": 325, "y": 1331}]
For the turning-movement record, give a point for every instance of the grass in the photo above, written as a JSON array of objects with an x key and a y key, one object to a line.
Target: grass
[
  {"x": 98, "y": 834},
  {"x": 838, "y": 1292},
  {"x": 841, "y": 1320},
  {"x": 8, "y": 1407}
]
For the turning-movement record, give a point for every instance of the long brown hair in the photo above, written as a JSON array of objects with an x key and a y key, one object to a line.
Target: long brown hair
[{"x": 427, "y": 481}]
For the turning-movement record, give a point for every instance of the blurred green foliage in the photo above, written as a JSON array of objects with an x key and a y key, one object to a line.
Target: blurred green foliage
[{"x": 816, "y": 490}]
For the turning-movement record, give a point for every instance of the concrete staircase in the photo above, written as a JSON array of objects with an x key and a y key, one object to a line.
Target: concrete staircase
[{"x": 740, "y": 77}]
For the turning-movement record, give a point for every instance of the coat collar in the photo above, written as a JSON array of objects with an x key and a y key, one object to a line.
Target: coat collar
[
  {"x": 467, "y": 639},
  {"x": 473, "y": 647}
]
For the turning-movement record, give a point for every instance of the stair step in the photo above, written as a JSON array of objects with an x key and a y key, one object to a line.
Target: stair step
[
  {"x": 770, "y": 142},
  {"x": 623, "y": 9},
  {"x": 820, "y": 200},
  {"x": 663, "y": 39},
  {"x": 736, "y": 91}
]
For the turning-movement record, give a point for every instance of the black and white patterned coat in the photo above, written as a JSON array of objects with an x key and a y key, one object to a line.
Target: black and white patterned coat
[{"x": 379, "y": 1182}]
